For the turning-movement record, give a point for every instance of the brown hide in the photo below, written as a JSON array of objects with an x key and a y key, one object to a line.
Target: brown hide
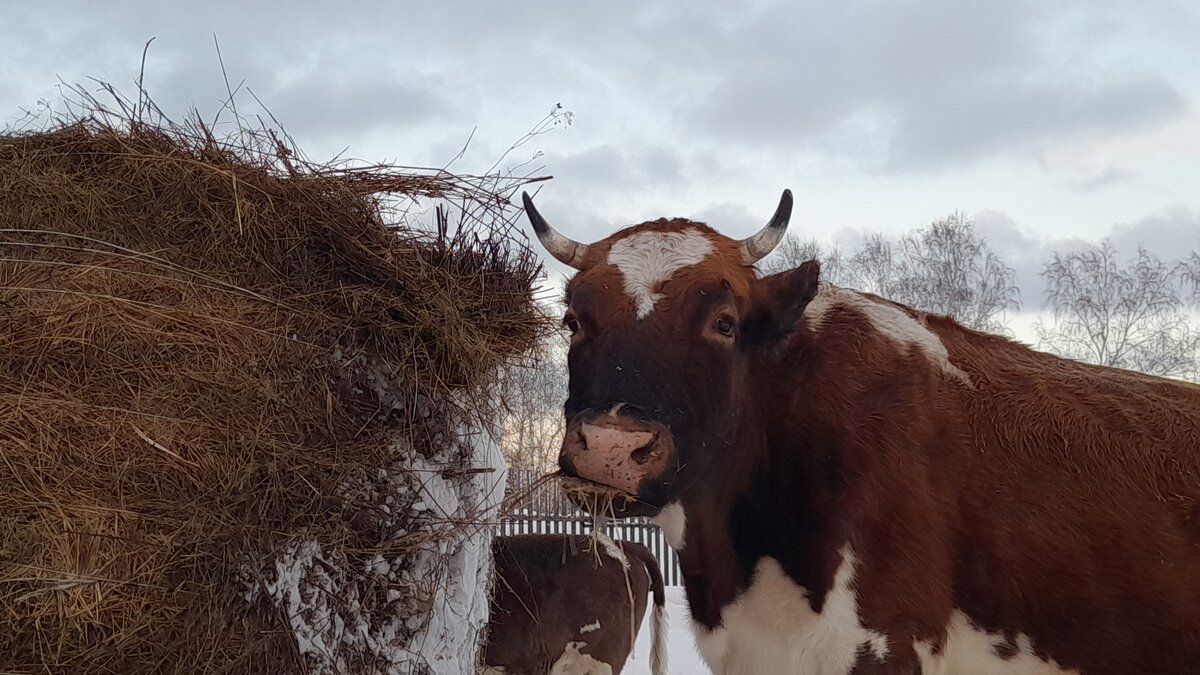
[
  {"x": 1040, "y": 496},
  {"x": 548, "y": 587}
]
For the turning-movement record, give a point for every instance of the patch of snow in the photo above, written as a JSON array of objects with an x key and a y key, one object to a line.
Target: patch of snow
[
  {"x": 399, "y": 611},
  {"x": 450, "y": 638},
  {"x": 378, "y": 565},
  {"x": 683, "y": 657}
]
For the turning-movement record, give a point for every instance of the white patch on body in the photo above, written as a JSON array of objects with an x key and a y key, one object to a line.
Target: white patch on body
[
  {"x": 889, "y": 320},
  {"x": 971, "y": 650},
  {"x": 771, "y": 628},
  {"x": 647, "y": 259},
  {"x": 591, "y": 627},
  {"x": 672, "y": 520},
  {"x": 574, "y": 662}
]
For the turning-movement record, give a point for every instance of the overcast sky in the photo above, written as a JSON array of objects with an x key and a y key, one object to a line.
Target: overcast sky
[{"x": 1046, "y": 122}]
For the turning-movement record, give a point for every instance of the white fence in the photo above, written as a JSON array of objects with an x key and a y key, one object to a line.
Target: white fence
[{"x": 547, "y": 512}]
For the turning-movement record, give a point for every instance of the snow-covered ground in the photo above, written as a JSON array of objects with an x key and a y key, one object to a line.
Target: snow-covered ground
[{"x": 683, "y": 659}]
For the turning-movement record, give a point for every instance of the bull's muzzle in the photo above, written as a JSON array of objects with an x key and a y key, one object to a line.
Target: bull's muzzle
[{"x": 614, "y": 450}]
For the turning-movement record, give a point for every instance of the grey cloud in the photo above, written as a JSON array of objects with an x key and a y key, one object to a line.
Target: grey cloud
[
  {"x": 1098, "y": 180},
  {"x": 893, "y": 86},
  {"x": 1019, "y": 248},
  {"x": 939, "y": 84},
  {"x": 179, "y": 80},
  {"x": 1171, "y": 233},
  {"x": 810, "y": 68},
  {"x": 992, "y": 119},
  {"x": 729, "y": 218},
  {"x": 586, "y": 220},
  {"x": 609, "y": 167},
  {"x": 318, "y": 97},
  {"x": 321, "y": 107},
  {"x": 677, "y": 104}
]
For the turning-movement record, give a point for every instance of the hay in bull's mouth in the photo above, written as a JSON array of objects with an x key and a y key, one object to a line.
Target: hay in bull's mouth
[
  {"x": 593, "y": 498},
  {"x": 600, "y": 499}
]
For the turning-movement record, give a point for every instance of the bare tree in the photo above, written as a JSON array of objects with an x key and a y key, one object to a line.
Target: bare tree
[
  {"x": 876, "y": 268},
  {"x": 792, "y": 252},
  {"x": 1189, "y": 270},
  {"x": 948, "y": 268},
  {"x": 945, "y": 267},
  {"x": 1128, "y": 316},
  {"x": 533, "y": 393}
]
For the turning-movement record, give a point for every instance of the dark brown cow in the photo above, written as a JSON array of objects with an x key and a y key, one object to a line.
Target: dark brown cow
[
  {"x": 561, "y": 605},
  {"x": 854, "y": 486}
]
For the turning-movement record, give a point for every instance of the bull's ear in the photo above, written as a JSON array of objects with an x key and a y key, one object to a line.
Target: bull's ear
[{"x": 781, "y": 299}]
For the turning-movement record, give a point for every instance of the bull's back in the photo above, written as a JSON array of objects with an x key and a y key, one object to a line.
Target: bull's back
[
  {"x": 1083, "y": 483},
  {"x": 1115, "y": 444}
]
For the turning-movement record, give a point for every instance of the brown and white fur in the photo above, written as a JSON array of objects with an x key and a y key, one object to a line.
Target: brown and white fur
[
  {"x": 856, "y": 486},
  {"x": 561, "y": 605}
]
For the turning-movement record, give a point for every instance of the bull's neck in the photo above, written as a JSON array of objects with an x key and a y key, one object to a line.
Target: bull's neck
[
  {"x": 736, "y": 523},
  {"x": 788, "y": 448}
]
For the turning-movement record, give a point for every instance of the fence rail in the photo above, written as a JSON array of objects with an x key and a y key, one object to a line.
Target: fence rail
[{"x": 547, "y": 512}]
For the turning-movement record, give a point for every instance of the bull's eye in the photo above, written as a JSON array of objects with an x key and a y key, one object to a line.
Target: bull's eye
[
  {"x": 724, "y": 325},
  {"x": 571, "y": 323}
]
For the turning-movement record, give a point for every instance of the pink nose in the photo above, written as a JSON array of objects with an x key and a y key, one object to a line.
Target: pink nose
[
  {"x": 613, "y": 456},
  {"x": 613, "y": 441}
]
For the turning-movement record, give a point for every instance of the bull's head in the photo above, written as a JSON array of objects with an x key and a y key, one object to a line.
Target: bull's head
[{"x": 670, "y": 324}]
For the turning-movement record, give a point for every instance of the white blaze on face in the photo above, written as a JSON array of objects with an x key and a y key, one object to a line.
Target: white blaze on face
[
  {"x": 647, "y": 259},
  {"x": 771, "y": 628}
]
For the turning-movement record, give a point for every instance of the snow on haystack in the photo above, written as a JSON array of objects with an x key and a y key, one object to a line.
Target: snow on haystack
[
  {"x": 418, "y": 606},
  {"x": 434, "y": 592},
  {"x": 449, "y": 638}
]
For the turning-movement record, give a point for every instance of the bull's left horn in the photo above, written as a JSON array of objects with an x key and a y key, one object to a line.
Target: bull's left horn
[
  {"x": 758, "y": 245},
  {"x": 563, "y": 248}
]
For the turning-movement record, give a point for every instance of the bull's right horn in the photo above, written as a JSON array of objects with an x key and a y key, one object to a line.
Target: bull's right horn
[
  {"x": 563, "y": 248},
  {"x": 758, "y": 245}
]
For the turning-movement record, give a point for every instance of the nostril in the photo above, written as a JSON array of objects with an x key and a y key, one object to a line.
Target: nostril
[
  {"x": 646, "y": 452},
  {"x": 630, "y": 410}
]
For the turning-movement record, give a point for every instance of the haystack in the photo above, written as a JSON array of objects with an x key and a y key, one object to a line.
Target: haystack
[{"x": 241, "y": 426}]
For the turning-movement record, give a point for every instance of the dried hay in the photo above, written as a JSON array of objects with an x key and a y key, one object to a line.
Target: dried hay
[
  {"x": 601, "y": 501},
  {"x": 203, "y": 342}
]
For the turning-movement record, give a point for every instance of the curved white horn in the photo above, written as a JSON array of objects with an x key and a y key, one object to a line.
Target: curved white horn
[
  {"x": 758, "y": 245},
  {"x": 563, "y": 248}
]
